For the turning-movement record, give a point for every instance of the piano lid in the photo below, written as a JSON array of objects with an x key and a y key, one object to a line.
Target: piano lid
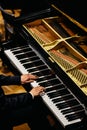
[
  {"x": 30, "y": 5},
  {"x": 74, "y": 8},
  {"x": 21, "y": 14}
]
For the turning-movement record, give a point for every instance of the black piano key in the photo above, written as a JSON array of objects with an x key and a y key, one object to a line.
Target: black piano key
[
  {"x": 30, "y": 53},
  {"x": 23, "y": 55},
  {"x": 48, "y": 84},
  {"x": 55, "y": 81},
  {"x": 58, "y": 93},
  {"x": 38, "y": 68},
  {"x": 34, "y": 64},
  {"x": 51, "y": 82},
  {"x": 30, "y": 65},
  {"x": 75, "y": 116},
  {"x": 37, "y": 71},
  {"x": 28, "y": 59},
  {"x": 22, "y": 49},
  {"x": 62, "y": 106},
  {"x": 66, "y": 104},
  {"x": 72, "y": 109},
  {"x": 63, "y": 98},
  {"x": 42, "y": 73},
  {"x": 55, "y": 87},
  {"x": 45, "y": 77}
]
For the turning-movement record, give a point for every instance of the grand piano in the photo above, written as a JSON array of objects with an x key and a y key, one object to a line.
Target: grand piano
[{"x": 55, "y": 48}]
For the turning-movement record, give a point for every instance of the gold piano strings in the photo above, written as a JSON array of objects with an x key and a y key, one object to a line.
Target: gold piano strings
[
  {"x": 40, "y": 41},
  {"x": 61, "y": 58},
  {"x": 66, "y": 63},
  {"x": 41, "y": 32},
  {"x": 79, "y": 66}
]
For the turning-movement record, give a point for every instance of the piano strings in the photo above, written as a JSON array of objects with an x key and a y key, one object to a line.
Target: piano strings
[{"x": 68, "y": 63}]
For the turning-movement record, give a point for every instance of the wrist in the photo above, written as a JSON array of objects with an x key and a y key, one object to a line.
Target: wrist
[{"x": 32, "y": 95}]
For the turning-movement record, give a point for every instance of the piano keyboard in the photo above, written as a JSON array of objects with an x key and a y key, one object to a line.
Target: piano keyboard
[{"x": 58, "y": 98}]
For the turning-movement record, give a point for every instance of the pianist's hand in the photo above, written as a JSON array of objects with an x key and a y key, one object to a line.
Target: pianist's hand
[
  {"x": 27, "y": 78},
  {"x": 36, "y": 91}
]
